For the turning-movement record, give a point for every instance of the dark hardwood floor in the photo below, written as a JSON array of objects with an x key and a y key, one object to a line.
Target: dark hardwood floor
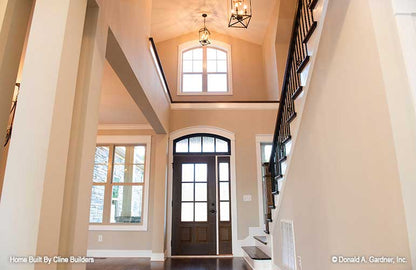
[{"x": 169, "y": 264}]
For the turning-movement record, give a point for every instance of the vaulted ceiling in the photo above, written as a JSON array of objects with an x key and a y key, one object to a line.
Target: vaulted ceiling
[{"x": 172, "y": 18}]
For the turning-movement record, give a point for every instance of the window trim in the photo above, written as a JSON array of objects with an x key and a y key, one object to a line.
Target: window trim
[
  {"x": 195, "y": 44},
  {"x": 132, "y": 140}
]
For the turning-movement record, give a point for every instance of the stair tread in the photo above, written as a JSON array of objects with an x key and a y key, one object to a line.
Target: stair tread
[
  {"x": 255, "y": 253},
  {"x": 261, "y": 239}
]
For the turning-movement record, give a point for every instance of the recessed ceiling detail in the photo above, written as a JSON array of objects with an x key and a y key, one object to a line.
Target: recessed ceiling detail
[{"x": 173, "y": 18}]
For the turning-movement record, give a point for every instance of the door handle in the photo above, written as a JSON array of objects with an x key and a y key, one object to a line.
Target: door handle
[{"x": 213, "y": 211}]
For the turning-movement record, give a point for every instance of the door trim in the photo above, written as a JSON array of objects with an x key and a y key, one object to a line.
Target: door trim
[{"x": 216, "y": 131}]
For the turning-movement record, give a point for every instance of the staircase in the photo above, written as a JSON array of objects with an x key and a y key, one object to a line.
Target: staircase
[{"x": 303, "y": 44}]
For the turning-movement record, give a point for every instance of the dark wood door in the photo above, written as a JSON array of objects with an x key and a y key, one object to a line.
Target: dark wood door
[{"x": 194, "y": 206}]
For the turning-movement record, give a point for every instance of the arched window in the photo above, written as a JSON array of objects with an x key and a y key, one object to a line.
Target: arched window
[
  {"x": 204, "y": 70},
  {"x": 202, "y": 144}
]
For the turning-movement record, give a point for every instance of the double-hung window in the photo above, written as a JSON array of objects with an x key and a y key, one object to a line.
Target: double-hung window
[{"x": 204, "y": 70}]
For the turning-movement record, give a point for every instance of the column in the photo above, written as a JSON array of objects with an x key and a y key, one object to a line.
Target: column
[
  {"x": 33, "y": 191},
  {"x": 159, "y": 197},
  {"x": 75, "y": 217}
]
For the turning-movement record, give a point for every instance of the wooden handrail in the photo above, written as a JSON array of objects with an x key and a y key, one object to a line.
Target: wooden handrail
[{"x": 164, "y": 81}]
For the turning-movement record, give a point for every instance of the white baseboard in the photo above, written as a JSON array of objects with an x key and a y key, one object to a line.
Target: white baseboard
[
  {"x": 158, "y": 257},
  {"x": 120, "y": 253}
]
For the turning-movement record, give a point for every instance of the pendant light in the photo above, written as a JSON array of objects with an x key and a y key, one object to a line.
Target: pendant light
[
  {"x": 204, "y": 33},
  {"x": 241, "y": 13}
]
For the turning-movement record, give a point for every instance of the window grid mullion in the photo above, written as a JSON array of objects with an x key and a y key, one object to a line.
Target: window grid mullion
[
  {"x": 204, "y": 69},
  {"x": 108, "y": 186}
]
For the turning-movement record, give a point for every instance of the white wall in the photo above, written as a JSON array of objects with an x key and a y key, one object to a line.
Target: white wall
[{"x": 395, "y": 31}]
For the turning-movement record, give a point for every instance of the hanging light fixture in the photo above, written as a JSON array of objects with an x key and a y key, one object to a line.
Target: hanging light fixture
[
  {"x": 240, "y": 13},
  {"x": 204, "y": 33}
]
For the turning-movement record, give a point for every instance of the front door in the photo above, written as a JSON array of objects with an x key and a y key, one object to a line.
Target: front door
[{"x": 194, "y": 205}]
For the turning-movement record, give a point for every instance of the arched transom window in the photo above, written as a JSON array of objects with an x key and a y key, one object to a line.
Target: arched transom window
[
  {"x": 202, "y": 144},
  {"x": 204, "y": 70}
]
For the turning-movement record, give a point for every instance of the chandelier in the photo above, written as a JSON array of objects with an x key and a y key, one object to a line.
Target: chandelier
[
  {"x": 204, "y": 33},
  {"x": 240, "y": 13}
]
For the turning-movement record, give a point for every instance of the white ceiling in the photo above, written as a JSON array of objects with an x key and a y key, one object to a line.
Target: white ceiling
[
  {"x": 172, "y": 18},
  {"x": 117, "y": 106}
]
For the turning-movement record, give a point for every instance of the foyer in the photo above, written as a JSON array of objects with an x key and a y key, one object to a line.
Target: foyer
[{"x": 155, "y": 134}]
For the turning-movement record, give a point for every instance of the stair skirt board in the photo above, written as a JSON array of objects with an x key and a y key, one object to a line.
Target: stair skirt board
[
  {"x": 258, "y": 264},
  {"x": 261, "y": 239}
]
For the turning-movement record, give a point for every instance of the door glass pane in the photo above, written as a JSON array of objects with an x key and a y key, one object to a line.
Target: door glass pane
[
  {"x": 224, "y": 191},
  {"x": 101, "y": 154},
  {"x": 224, "y": 211},
  {"x": 187, "y": 192},
  {"x": 182, "y": 146},
  {"x": 187, "y": 212},
  {"x": 195, "y": 145},
  {"x": 97, "y": 204},
  {"x": 192, "y": 83},
  {"x": 187, "y": 172},
  {"x": 201, "y": 192},
  {"x": 221, "y": 145},
  {"x": 224, "y": 171},
  {"x": 201, "y": 212},
  {"x": 100, "y": 173},
  {"x": 126, "y": 204},
  {"x": 217, "y": 83},
  {"x": 208, "y": 144},
  {"x": 139, "y": 154},
  {"x": 120, "y": 155},
  {"x": 201, "y": 172}
]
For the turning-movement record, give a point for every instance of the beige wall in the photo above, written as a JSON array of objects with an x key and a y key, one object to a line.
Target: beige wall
[
  {"x": 269, "y": 55},
  {"x": 153, "y": 238},
  {"x": 286, "y": 15},
  {"x": 245, "y": 124},
  {"x": 342, "y": 189},
  {"x": 276, "y": 45},
  {"x": 247, "y": 68},
  {"x": 130, "y": 23}
]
